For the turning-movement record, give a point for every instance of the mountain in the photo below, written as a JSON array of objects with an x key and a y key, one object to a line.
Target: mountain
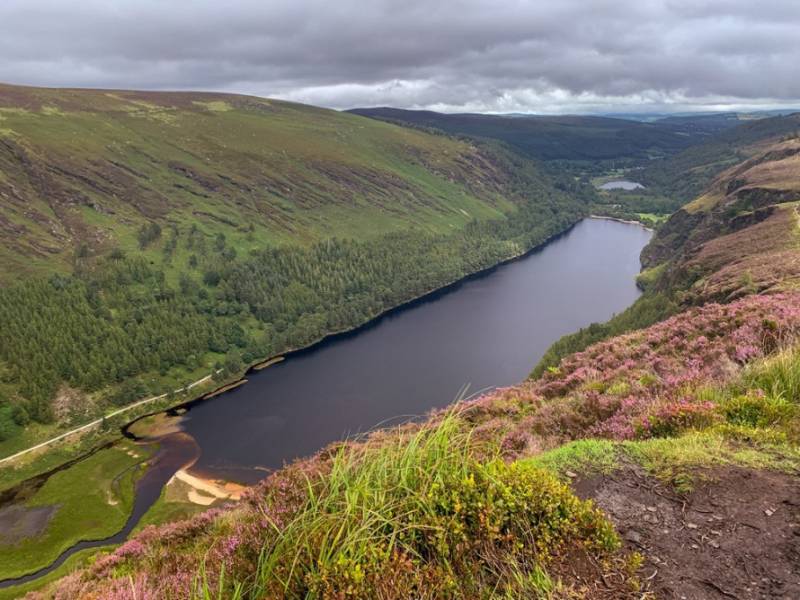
[
  {"x": 662, "y": 461},
  {"x": 555, "y": 137},
  {"x": 149, "y": 240}
]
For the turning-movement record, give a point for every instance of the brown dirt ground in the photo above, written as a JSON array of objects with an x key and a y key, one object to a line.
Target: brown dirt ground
[{"x": 736, "y": 535}]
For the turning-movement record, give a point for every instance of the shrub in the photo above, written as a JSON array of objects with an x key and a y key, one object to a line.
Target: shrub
[
  {"x": 421, "y": 517},
  {"x": 757, "y": 409},
  {"x": 672, "y": 418}
]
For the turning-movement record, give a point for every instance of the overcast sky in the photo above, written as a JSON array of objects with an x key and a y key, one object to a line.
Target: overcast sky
[{"x": 454, "y": 55}]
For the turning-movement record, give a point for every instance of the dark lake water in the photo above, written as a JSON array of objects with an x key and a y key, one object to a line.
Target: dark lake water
[{"x": 488, "y": 331}]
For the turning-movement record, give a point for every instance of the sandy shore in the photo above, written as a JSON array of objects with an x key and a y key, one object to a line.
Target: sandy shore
[{"x": 207, "y": 491}]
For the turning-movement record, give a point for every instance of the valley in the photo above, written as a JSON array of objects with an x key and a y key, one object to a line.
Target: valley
[
  {"x": 407, "y": 358},
  {"x": 397, "y": 274}
]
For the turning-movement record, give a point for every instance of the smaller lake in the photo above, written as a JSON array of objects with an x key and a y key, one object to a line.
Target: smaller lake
[{"x": 621, "y": 184}]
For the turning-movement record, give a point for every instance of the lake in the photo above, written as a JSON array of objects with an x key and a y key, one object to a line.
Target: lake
[
  {"x": 489, "y": 330},
  {"x": 621, "y": 185}
]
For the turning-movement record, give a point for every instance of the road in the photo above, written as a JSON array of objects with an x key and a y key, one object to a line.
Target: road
[{"x": 97, "y": 422}]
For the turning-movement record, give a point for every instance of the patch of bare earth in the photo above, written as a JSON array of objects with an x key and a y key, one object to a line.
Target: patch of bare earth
[
  {"x": 19, "y": 522},
  {"x": 736, "y": 535}
]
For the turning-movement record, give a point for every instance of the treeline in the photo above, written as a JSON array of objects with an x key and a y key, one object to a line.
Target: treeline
[{"x": 111, "y": 326}]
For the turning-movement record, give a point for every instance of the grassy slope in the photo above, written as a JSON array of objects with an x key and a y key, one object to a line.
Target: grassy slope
[
  {"x": 86, "y": 166},
  {"x": 364, "y": 514}
]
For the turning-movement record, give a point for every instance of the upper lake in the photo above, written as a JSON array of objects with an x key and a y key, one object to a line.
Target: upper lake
[
  {"x": 621, "y": 185},
  {"x": 487, "y": 331}
]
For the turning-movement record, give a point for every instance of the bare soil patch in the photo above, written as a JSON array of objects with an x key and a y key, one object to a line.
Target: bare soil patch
[
  {"x": 736, "y": 535},
  {"x": 19, "y": 522}
]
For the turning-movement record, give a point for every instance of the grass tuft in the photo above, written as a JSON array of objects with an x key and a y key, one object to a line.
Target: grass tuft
[{"x": 420, "y": 517}]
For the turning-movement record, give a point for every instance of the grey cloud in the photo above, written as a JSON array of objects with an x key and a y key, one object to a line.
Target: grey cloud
[{"x": 451, "y": 55}]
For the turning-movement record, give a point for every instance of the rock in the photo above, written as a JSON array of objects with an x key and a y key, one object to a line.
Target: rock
[{"x": 633, "y": 536}]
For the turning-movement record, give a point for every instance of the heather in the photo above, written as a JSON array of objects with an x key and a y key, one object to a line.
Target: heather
[
  {"x": 416, "y": 515},
  {"x": 648, "y": 383}
]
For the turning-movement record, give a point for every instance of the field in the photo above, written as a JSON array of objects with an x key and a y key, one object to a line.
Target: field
[{"x": 65, "y": 510}]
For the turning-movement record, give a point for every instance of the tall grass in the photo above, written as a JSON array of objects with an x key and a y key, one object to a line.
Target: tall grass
[
  {"x": 364, "y": 509},
  {"x": 778, "y": 376},
  {"x": 420, "y": 517}
]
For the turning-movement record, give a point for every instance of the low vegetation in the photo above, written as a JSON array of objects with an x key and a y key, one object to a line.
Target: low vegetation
[
  {"x": 417, "y": 515},
  {"x": 64, "y": 511}
]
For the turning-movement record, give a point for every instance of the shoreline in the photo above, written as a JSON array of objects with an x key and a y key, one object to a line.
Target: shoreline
[
  {"x": 205, "y": 492},
  {"x": 618, "y": 220},
  {"x": 334, "y": 336}
]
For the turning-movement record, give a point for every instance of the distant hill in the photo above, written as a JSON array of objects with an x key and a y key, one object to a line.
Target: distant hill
[
  {"x": 559, "y": 137},
  {"x": 686, "y": 174}
]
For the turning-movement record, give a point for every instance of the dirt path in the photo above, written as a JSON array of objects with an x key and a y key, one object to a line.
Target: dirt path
[
  {"x": 736, "y": 536},
  {"x": 97, "y": 422}
]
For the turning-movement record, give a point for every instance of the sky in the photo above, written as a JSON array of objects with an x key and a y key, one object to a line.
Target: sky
[{"x": 537, "y": 56}]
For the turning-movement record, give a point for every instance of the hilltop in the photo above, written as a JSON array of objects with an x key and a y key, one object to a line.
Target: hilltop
[{"x": 661, "y": 462}]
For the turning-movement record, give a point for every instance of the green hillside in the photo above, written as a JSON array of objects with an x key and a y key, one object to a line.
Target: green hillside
[
  {"x": 86, "y": 169},
  {"x": 148, "y": 240}
]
